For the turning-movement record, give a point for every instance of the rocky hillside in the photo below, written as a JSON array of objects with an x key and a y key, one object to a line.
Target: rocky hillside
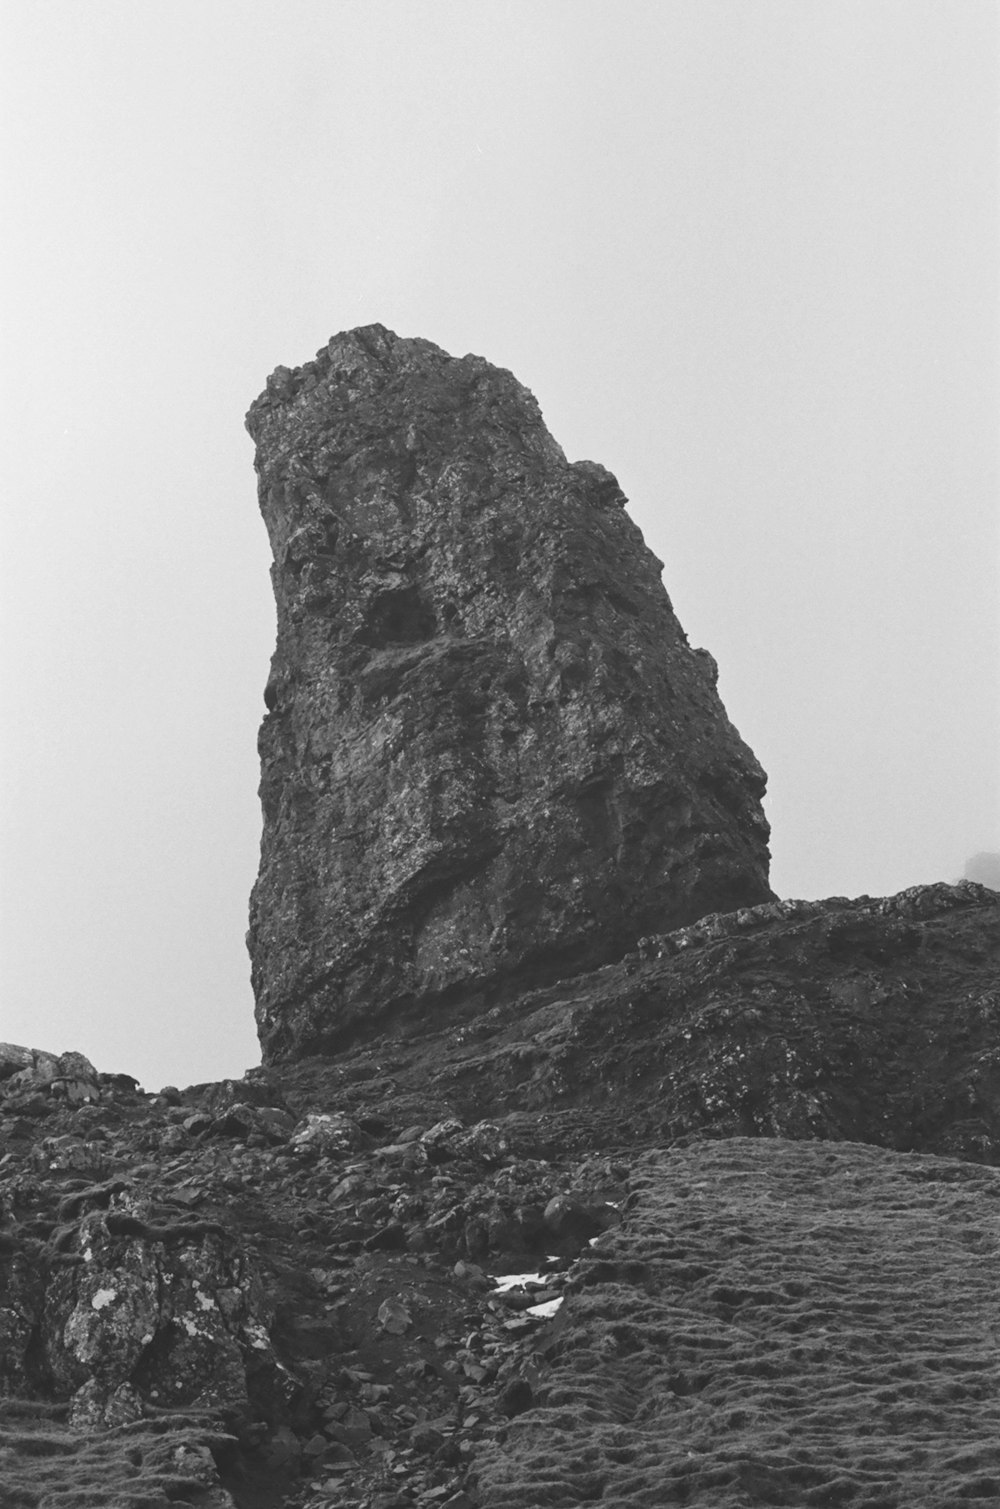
[
  {"x": 579, "y": 1169},
  {"x": 284, "y": 1288}
]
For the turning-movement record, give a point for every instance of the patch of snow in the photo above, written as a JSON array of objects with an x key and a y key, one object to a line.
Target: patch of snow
[
  {"x": 543, "y": 1311},
  {"x": 104, "y": 1297},
  {"x": 516, "y": 1281}
]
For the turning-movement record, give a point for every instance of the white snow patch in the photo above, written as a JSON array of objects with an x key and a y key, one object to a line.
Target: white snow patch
[
  {"x": 517, "y": 1281},
  {"x": 543, "y": 1311},
  {"x": 104, "y": 1297}
]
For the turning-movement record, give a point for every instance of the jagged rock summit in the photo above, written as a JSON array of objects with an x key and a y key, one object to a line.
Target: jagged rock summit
[{"x": 490, "y": 757}]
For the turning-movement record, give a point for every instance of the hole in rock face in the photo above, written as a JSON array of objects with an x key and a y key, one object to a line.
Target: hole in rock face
[{"x": 399, "y": 615}]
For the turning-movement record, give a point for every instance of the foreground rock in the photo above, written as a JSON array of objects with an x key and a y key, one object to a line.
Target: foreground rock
[
  {"x": 491, "y": 757},
  {"x": 277, "y": 1288}
]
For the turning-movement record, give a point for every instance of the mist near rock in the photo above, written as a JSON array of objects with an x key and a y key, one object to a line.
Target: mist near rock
[{"x": 984, "y": 868}]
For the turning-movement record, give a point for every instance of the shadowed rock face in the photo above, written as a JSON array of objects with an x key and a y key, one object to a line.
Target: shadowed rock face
[{"x": 490, "y": 756}]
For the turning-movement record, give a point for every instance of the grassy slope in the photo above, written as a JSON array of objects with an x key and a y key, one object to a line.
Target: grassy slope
[{"x": 775, "y": 1323}]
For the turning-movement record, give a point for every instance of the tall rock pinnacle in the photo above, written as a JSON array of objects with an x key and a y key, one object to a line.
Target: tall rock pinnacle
[{"x": 490, "y": 757}]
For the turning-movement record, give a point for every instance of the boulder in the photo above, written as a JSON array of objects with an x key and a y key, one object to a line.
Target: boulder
[
  {"x": 326, "y": 1132},
  {"x": 490, "y": 758}
]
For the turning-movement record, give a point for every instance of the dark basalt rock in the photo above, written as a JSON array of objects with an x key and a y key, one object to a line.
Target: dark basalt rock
[
  {"x": 777, "y": 1128},
  {"x": 490, "y": 757}
]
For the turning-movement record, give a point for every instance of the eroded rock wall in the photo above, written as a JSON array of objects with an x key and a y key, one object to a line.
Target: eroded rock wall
[{"x": 490, "y": 755}]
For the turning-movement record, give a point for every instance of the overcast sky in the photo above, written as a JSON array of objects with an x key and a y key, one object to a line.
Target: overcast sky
[{"x": 744, "y": 253}]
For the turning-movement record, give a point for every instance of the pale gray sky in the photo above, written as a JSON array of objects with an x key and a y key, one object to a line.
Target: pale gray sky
[{"x": 743, "y": 251}]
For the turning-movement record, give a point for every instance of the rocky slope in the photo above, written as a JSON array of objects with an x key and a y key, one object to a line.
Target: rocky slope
[
  {"x": 281, "y": 1288},
  {"x": 491, "y": 756}
]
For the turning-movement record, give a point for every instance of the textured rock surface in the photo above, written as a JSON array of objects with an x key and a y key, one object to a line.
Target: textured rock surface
[
  {"x": 873, "y": 1020},
  {"x": 490, "y": 756},
  {"x": 274, "y": 1287}
]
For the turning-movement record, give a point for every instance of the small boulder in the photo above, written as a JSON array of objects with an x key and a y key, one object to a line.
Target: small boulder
[
  {"x": 394, "y": 1317},
  {"x": 517, "y": 1397},
  {"x": 485, "y": 1142},
  {"x": 389, "y": 1238},
  {"x": 326, "y": 1132},
  {"x": 573, "y": 1221}
]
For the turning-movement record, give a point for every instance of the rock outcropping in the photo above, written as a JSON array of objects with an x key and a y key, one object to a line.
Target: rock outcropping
[
  {"x": 619, "y": 1194},
  {"x": 273, "y": 1293},
  {"x": 490, "y": 757}
]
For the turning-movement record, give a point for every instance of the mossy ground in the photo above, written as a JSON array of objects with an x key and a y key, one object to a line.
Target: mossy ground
[
  {"x": 45, "y": 1464},
  {"x": 774, "y": 1323}
]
